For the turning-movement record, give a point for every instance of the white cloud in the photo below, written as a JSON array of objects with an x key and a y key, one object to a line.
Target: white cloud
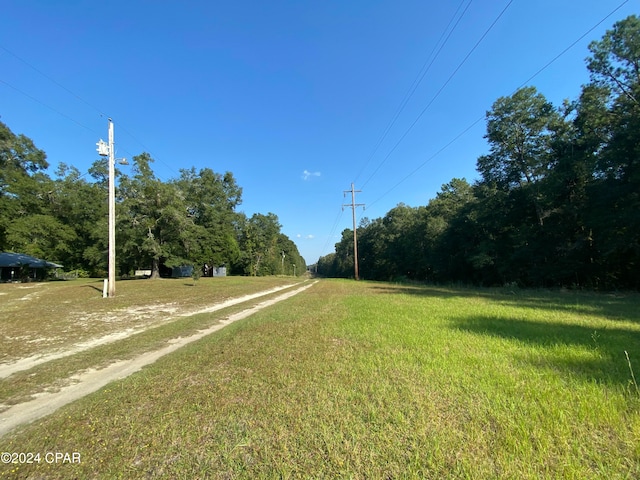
[{"x": 307, "y": 174}]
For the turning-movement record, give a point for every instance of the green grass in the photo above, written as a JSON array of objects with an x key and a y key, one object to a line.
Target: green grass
[{"x": 373, "y": 380}]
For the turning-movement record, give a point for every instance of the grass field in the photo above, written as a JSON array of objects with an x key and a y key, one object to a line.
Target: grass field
[{"x": 372, "y": 380}]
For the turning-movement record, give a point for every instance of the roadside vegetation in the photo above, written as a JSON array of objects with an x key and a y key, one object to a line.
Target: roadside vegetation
[
  {"x": 373, "y": 380},
  {"x": 192, "y": 220},
  {"x": 557, "y": 201}
]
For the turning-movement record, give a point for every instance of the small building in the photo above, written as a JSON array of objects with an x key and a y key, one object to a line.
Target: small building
[
  {"x": 187, "y": 270},
  {"x": 15, "y": 267},
  {"x": 208, "y": 271},
  {"x": 182, "y": 271}
]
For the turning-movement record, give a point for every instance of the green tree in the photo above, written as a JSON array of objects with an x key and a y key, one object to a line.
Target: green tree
[
  {"x": 519, "y": 132},
  {"x": 344, "y": 264},
  {"x": 22, "y": 182},
  {"x": 19, "y": 152},
  {"x": 391, "y": 247},
  {"x": 615, "y": 73},
  {"x": 372, "y": 261},
  {"x": 210, "y": 200},
  {"x": 526, "y": 135},
  {"x": 327, "y": 265},
  {"x": 614, "y": 60},
  {"x": 82, "y": 206},
  {"x": 41, "y": 236},
  {"x": 444, "y": 250},
  {"x": 154, "y": 227},
  {"x": 258, "y": 245},
  {"x": 284, "y": 245}
]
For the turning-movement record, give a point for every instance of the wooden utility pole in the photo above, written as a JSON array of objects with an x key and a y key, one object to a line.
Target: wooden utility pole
[
  {"x": 108, "y": 150},
  {"x": 353, "y": 206},
  {"x": 112, "y": 215}
]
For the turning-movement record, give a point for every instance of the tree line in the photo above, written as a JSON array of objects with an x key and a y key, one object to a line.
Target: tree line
[
  {"x": 190, "y": 220},
  {"x": 558, "y": 198}
]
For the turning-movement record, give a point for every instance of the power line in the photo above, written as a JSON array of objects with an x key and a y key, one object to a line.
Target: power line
[
  {"x": 48, "y": 106},
  {"x": 53, "y": 81},
  {"x": 53, "y": 109},
  {"x": 464, "y": 60},
  {"x": 98, "y": 110},
  {"x": 332, "y": 231},
  {"x": 547, "y": 65},
  {"x": 416, "y": 82},
  {"x": 432, "y": 100},
  {"x": 573, "y": 44},
  {"x": 455, "y": 139}
]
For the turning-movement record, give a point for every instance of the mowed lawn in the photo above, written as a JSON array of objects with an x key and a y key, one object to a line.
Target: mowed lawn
[{"x": 372, "y": 380}]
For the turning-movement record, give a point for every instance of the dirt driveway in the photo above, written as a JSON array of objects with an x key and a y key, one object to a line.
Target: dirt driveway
[{"x": 92, "y": 380}]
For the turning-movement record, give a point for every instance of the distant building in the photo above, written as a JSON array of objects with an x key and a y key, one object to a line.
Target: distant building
[
  {"x": 208, "y": 271},
  {"x": 182, "y": 271},
  {"x": 15, "y": 267}
]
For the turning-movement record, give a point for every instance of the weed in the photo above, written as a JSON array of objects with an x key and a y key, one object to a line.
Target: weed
[
  {"x": 595, "y": 336},
  {"x": 633, "y": 377}
]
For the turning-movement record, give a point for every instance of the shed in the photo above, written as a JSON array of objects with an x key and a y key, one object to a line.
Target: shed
[
  {"x": 182, "y": 271},
  {"x": 219, "y": 272},
  {"x": 17, "y": 266}
]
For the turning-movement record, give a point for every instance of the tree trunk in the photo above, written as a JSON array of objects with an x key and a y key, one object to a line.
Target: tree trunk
[{"x": 155, "y": 268}]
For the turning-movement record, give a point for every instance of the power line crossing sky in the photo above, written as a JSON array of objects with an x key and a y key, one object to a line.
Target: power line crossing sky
[{"x": 297, "y": 99}]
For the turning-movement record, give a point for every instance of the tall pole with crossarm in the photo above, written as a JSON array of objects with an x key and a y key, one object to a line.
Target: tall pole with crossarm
[{"x": 353, "y": 206}]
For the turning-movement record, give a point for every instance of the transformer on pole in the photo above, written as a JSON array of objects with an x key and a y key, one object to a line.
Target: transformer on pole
[{"x": 108, "y": 150}]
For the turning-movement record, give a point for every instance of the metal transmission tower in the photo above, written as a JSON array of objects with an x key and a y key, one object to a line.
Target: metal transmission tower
[{"x": 353, "y": 206}]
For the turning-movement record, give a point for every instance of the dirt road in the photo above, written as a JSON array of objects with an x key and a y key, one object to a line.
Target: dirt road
[
  {"x": 7, "y": 369},
  {"x": 92, "y": 380}
]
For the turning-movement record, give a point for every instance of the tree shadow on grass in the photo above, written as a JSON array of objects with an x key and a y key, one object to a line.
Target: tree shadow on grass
[
  {"x": 616, "y": 307},
  {"x": 594, "y": 354}
]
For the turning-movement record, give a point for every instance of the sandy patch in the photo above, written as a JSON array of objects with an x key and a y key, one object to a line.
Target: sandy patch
[
  {"x": 26, "y": 363},
  {"x": 92, "y": 380}
]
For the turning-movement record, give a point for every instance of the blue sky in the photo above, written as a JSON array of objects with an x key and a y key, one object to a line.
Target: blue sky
[{"x": 292, "y": 97}]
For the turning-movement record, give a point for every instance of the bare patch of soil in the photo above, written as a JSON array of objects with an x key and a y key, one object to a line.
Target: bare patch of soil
[{"x": 92, "y": 380}]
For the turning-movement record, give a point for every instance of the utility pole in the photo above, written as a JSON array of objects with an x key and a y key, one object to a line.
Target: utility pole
[
  {"x": 112, "y": 214},
  {"x": 105, "y": 150},
  {"x": 283, "y": 255},
  {"x": 353, "y": 206}
]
